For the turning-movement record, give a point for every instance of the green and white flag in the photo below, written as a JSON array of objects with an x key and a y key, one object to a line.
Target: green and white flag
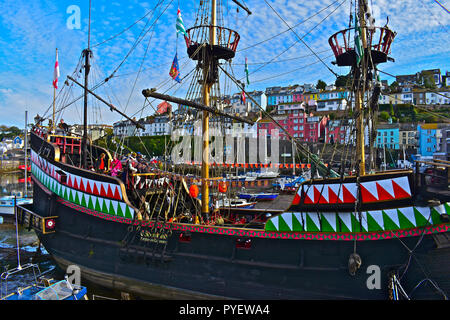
[
  {"x": 180, "y": 25},
  {"x": 359, "y": 50},
  {"x": 246, "y": 71}
]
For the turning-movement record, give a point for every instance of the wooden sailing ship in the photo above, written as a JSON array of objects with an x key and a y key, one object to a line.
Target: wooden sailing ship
[{"x": 155, "y": 238}]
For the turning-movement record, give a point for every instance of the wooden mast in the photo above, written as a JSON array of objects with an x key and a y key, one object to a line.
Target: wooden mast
[
  {"x": 87, "y": 67},
  {"x": 53, "y": 128},
  {"x": 359, "y": 94},
  {"x": 207, "y": 85}
]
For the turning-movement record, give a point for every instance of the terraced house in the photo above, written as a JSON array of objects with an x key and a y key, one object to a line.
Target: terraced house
[
  {"x": 388, "y": 136},
  {"x": 308, "y": 128}
]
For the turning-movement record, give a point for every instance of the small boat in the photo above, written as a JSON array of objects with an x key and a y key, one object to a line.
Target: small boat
[
  {"x": 250, "y": 178},
  {"x": 235, "y": 178},
  {"x": 41, "y": 288},
  {"x": 258, "y": 196},
  {"x": 7, "y": 203},
  {"x": 234, "y": 203},
  {"x": 288, "y": 182},
  {"x": 268, "y": 175},
  {"x": 263, "y": 174}
]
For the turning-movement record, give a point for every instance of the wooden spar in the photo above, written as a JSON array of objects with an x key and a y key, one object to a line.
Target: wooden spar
[
  {"x": 240, "y": 5},
  {"x": 149, "y": 93},
  {"x": 112, "y": 107}
]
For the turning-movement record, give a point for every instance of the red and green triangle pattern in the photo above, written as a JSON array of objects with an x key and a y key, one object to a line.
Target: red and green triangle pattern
[
  {"x": 368, "y": 221},
  {"x": 90, "y": 201}
]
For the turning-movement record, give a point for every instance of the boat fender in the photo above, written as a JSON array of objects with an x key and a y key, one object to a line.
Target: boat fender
[{"x": 354, "y": 262}]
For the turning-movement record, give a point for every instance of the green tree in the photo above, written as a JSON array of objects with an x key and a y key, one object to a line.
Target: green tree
[
  {"x": 321, "y": 84},
  {"x": 428, "y": 81},
  {"x": 393, "y": 87},
  {"x": 384, "y": 116},
  {"x": 342, "y": 81}
]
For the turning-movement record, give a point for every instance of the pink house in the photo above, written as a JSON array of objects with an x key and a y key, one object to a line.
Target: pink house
[{"x": 308, "y": 128}]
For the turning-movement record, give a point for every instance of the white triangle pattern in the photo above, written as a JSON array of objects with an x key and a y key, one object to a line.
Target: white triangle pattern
[
  {"x": 393, "y": 215},
  {"x": 386, "y": 184},
  {"x": 372, "y": 188},
  {"x": 377, "y": 215},
  {"x": 346, "y": 219},
  {"x": 403, "y": 182},
  {"x": 287, "y": 217},
  {"x": 364, "y": 222},
  {"x": 408, "y": 212},
  {"x": 314, "y": 218},
  {"x": 331, "y": 218}
]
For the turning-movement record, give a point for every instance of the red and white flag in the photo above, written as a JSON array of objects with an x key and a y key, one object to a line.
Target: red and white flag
[
  {"x": 163, "y": 107},
  {"x": 56, "y": 73}
]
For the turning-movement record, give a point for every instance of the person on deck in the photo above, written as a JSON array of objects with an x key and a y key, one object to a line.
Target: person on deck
[
  {"x": 130, "y": 170},
  {"x": 100, "y": 164},
  {"x": 63, "y": 126},
  {"x": 116, "y": 166}
]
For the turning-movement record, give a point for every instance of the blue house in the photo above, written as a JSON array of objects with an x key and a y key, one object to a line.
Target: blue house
[
  {"x": 427, "y": 139},
  {"x": 388, "y": 136}
]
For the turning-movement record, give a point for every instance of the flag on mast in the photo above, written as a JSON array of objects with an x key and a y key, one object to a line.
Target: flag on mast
[
  {"x": 359, "y": 50},
  {"x": 242, "y": 97},
  {"x": 246, "y": 71},
  {"x": 180, "y": 26},
  {"x": 56, "y": 72},
  {"x": 174, "y": 70}
]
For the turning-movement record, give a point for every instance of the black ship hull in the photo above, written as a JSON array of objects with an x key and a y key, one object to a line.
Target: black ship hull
[
  {"x": 212, "y": 266},
  {"x": 95, "y": 226}
]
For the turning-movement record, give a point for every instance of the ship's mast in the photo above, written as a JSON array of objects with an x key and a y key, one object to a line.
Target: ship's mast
[
  {"x": 87, "y": 67},
  {"x": 207, "y": 85},
  {"x": 359, "y": 93}
]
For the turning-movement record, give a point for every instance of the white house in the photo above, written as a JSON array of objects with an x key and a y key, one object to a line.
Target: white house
[{"x": 331, "y": 105}]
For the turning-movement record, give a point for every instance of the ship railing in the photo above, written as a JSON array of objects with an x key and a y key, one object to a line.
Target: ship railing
[
  {"x": 32, "y": 220},
  {"x": 379, "y": 39},
  {"x": 435, "y": 173},
  {"x": 66, "y": 144},
  {"x": 40, "y": 131},
  {"x": 225, "y": 37}
]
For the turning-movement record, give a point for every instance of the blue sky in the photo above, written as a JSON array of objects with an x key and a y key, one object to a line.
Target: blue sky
[{"x": 31, "y": 30}]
